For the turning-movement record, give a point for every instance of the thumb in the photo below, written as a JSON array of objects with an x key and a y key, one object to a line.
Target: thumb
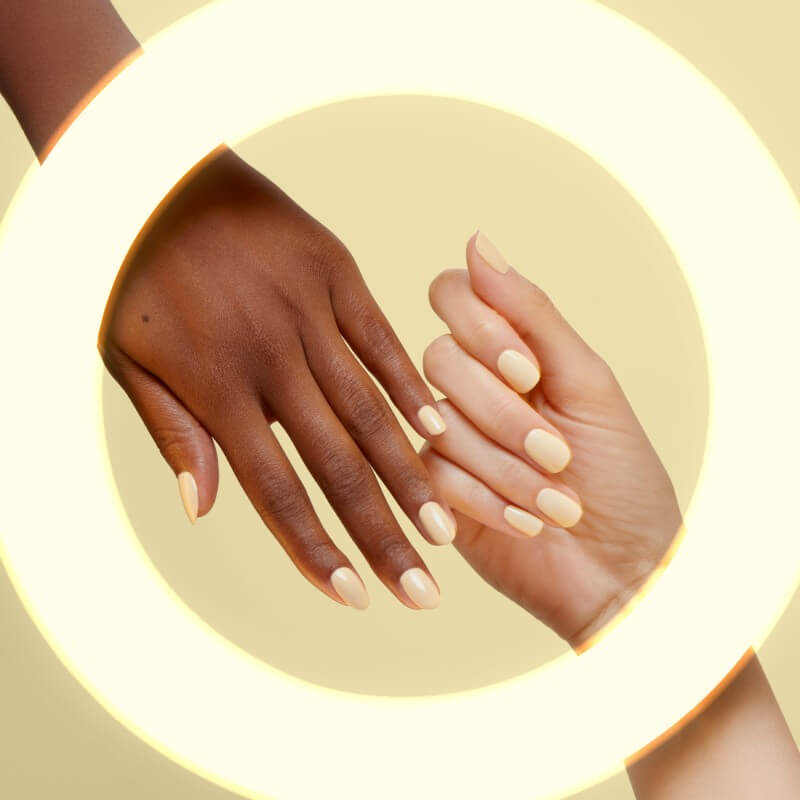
[
  {"x": 569, "y": 367},
  {"x": 183, "y": 441}
]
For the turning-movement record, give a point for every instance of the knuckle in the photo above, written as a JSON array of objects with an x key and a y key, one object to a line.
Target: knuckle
[
  {"x": 477, "y": 495},
  {"x": 367, "y": 416},
  {"x": 282, "y": 501},
  {"x": 173, "y": 441},
  {"x": 510, "y": 472},
  {"x": 437, "y": 352},
  {"x": 442, "y": 285},
  {"x": 499, "y": 413},
  {"x": 383, "y": 342},
  {"x": 600, "y": 374},
  {"x": 345, "y": 476},
  {"x": 322, "y": 552},
  {"x": 415, "y": 483},
  {"x": 487, "y": 329},
  {"x": 389, "y": 547},
  {"x": 536, "y": 296},
  {"x": 326, "y": 253}
]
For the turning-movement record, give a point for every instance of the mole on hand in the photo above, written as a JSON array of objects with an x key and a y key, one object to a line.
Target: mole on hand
[{"x": 145, "y": 318}]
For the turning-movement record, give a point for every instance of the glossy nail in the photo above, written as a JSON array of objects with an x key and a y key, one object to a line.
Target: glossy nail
[
  {"x": 188, "y": 490},
  {"x": 522, "y": 521},
  {"x": 547, "y": 450},
  {"x": 420, "y": 588},
  {"x": 437, "y": 524},
  {"x": 564, "y": 510},
  {"x": 349, "y": 587},
  {"x": 431, "y": 420},
  {"x": 520, "y": 372},
  {"x": 490, "y": 254}
]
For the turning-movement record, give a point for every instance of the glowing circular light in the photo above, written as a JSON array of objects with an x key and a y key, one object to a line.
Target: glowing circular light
[{"x": 589, "y": 76}]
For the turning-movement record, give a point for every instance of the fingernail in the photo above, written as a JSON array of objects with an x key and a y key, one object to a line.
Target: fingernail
[
  {"x": 188, "y": 490},
  {"x": 564, "y": 510},
  {"x": 490, "y": 254},
  {"x": 520, "y": 372},
  {"x": 431, "y": 420},
  {"x": 420, "y": 588},
  {"x": 548, "y": 450},
  {"x": 522, "y": 521},
  {"x": 349, "y": 587},
  {"x": 436, "y": 522}
]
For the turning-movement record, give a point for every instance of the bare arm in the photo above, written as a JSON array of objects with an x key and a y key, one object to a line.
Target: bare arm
[
  {"x": 53, "y": 53},
  {"x": 739, "y": 747}
]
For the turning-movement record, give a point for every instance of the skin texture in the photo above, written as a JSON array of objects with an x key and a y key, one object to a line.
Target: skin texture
[
  {"x": 736, "y": 744},
  {"x": 233, "y": 312},
  {"x": 738, "y": 747},
  {"x": 577, "y": 579}
]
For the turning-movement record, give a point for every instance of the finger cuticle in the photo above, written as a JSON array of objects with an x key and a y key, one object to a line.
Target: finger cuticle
[
  {"x": 187, "y": 486},
  {"x": 490, "y": 254},
  {"x": 436, "y": 523},
  {"x": 519, "y": 372},
  {"x": 418, "y": 585},
  {"x": 349, "y": 587},
  {"x": 522, "y": 521},
  {"x": 564, "y": 510},
  {"x": 431, "y": 420},
  {"x": 547, "y": 450}
]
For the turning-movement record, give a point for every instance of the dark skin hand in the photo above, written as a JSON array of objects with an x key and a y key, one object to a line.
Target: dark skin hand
[{"x": 233, "y": 311}]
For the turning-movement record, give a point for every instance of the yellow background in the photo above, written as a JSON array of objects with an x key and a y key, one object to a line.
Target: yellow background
[{"x": 404, "y": 182}]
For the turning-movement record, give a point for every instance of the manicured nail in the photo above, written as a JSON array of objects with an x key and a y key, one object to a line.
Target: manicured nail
[
  {"x": 431, "y": 420},
  {"x": 436, "y": 522},
  {"x": 564, "y": 510},
  {"x": 188, "y": 490},
  {"x": 547, "y": 450},
  {"x": 522, "y": 521},
  {"x": 490, "y": 254},
  {"x": 420, "y": 588},
  {"x": 520, "y": 372},
  {"x": 349, "y": 587}
]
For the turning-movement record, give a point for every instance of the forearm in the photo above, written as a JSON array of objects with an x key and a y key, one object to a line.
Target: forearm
[
  {"x": 53, "y": 53},
  {"x": 737, "y": 748}
]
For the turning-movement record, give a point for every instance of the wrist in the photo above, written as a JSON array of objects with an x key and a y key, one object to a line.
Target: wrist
[{"x": 54, "y": 57}]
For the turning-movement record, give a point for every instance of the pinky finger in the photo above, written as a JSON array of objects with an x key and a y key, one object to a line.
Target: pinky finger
[{"x": 465, "y": 493}]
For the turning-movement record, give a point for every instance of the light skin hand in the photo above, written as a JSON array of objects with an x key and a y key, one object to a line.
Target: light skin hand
[
  {"x": 737, "y": 745},
  {"x": 574, "y": 554}
]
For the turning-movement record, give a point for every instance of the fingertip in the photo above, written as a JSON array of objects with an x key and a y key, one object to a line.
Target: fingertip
[
  {"x": 486, "y": 253},
  {"x": 187, "y": 488},
  {"x": 431, "y": 420}
]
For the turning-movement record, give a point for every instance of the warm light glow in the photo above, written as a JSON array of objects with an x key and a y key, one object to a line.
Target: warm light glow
[{"x": 591, "y": 77}]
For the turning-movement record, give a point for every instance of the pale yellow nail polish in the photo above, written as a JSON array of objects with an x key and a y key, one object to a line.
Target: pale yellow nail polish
[
  {"x": 420, "y": 588},
  {"x": 547, "y": 450},
  {"x": 431, "y": 420},
  {"x": 188, "y": 489},
  {"x": 522, "y": 521},
  {"x": 564, "y": 510},
  {"x": 520, "y": 372},
  {"x": 349, "y": 587},
  {"x": 493, "y": 257},
  {"x": 437, "y": 524}
]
